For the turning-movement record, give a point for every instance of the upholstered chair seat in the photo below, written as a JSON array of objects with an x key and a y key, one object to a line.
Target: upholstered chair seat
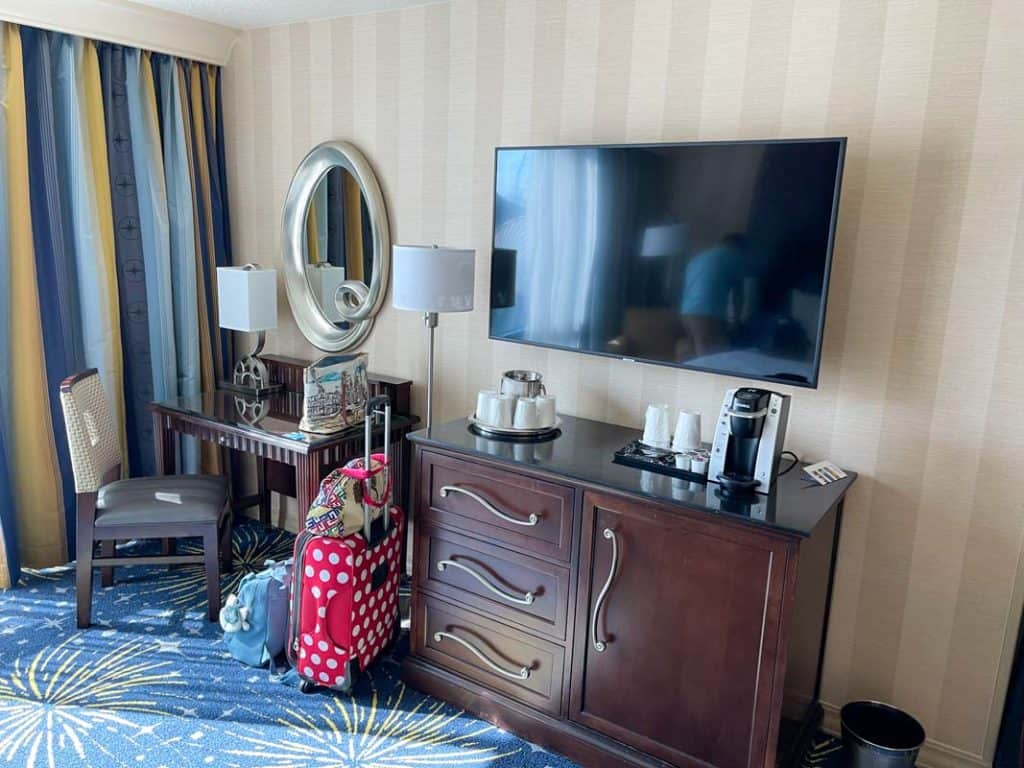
[
  {"x": 173, "y": 499},
  {"x": 109, "y": 508}
]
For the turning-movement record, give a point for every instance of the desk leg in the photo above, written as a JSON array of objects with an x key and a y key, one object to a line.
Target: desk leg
[
  {"x": 307, "y": 485},
  {"x": 261, "y": 489},
  {"x": 163, "y": 445}
]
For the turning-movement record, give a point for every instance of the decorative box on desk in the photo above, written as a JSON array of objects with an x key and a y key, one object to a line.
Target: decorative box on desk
[
  {"x": 614, "y": 615},
  {"x": 289, "y": 372}
]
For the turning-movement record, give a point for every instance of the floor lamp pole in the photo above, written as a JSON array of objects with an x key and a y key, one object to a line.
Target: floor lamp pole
[{"x": 430, "y": 321}]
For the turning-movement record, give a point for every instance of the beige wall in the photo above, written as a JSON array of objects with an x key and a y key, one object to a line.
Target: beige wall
[{"x": 924, "y": 351}]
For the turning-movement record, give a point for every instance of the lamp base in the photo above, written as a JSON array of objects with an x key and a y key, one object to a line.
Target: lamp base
[
  {"x": 257, "y": 393},
  {"x": 250, "y": 376}
]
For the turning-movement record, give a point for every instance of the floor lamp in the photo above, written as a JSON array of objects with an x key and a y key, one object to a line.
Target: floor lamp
[{"x": 432, "y": 280}]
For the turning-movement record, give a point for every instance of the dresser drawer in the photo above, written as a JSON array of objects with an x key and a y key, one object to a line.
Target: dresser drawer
[
  {"x": 498, "y": 582},
  {"x": 531, "y": 514},
  {"x": 513, "y": 663}
]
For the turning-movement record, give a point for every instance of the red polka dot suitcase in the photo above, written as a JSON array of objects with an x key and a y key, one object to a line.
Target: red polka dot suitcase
[{"x": 344, "y": 599}]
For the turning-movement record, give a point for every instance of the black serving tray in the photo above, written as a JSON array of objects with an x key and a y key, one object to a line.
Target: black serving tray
[{"x": 636, "y": 454}]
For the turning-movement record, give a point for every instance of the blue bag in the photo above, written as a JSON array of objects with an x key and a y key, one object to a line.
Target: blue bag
[{"x": 255, "y": 619}]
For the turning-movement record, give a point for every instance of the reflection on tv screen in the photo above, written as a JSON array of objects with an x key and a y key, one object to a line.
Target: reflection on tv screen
[{"x": 709, "y": 256}]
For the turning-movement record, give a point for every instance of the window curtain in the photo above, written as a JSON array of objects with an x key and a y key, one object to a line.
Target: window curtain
[{"x": 113, "y": 219}]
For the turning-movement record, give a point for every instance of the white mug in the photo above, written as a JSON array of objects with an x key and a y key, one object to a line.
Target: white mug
[
  {"x": 526, "y": 414},
  {"x": 503, "y": 411},
  {"x": 656, "y": 426},
  {"x": 545, "y": 410},
  {"x": 687, "y": 434},
  {"x": 485, "y": 404}
]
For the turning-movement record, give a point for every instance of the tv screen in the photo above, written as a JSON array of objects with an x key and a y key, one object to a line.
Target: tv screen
[{"x": 712, "y": 256}]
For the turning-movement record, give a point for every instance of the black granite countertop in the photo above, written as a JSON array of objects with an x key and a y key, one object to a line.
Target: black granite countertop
[{"x": 584, "y": 451}]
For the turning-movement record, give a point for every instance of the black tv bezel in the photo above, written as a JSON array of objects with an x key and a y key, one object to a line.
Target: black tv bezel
[{"x": 819, "y": 342}]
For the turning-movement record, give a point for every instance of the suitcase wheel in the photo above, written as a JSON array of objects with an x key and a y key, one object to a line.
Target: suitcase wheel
[{"x": 307, "y": 687}]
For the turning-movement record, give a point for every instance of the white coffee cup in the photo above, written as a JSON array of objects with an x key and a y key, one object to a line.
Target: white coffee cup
[
  {"x": 545, "y": 410},
  {"x": 687, "y": 434},
  {"x": 526, "y": 414},
  {"x": 485, "y": 404},
  {"x": 504, "y": 410},
  {"x": 656, "y": 425}
]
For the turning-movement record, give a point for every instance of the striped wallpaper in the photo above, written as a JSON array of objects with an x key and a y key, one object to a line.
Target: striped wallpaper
[{"x": 924, "y": 351}]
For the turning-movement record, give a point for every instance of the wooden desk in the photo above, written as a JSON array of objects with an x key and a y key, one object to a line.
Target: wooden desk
[{"x": 273, "y": 436}]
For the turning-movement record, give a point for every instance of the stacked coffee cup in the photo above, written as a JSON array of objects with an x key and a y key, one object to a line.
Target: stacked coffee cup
[{"x": 685, "y": 442}]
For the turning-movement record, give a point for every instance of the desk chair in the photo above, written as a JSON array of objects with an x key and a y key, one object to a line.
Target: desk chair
[{"x": 109, "y": 509}]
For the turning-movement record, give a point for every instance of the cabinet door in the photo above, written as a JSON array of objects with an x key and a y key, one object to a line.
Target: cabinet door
[{"x": 680, "y": 655}]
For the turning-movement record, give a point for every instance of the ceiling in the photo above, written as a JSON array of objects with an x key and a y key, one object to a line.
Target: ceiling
[{"x": 249, "y": 14}]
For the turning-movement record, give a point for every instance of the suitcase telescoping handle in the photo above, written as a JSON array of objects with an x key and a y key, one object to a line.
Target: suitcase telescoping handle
[{"x": 382, "y": 403}]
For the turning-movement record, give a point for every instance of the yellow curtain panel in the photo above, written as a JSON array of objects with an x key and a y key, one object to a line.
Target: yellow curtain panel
[
  {"x": 352, "y": 196},
  {"x": 35, "y": 472}
]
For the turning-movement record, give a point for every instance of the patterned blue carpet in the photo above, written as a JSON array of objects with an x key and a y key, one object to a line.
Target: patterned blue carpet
[{"x": 150, "y": 684}]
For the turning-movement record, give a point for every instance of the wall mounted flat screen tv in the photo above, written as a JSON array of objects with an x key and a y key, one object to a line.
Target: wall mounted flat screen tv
[{"x": 713, "y": 256}]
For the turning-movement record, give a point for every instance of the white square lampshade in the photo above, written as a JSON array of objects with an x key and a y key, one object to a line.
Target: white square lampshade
[
  {"x": 432, "y": 279},
  {"x": 247, "y": 298},
  {"x": 664, "y": 240},
  {"x": 324, "y": 279}
]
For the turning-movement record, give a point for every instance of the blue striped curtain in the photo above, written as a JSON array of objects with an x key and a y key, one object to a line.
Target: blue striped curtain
[
  {"x": 182, "y": 226},
  {"x": 116, "y": 166},
  {"x": 153, "y": 221},
  {"x": 54, "y": 250},
  {"x": 131, "y": 268},
  {"x": 214, "y": 113}
]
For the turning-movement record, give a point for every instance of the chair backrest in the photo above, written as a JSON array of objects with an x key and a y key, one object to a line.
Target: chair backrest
[{"x": 92, "y": 433}]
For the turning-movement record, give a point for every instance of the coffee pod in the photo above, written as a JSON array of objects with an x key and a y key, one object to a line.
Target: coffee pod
[
  {"x": 699, "y": 465},
  {"x": 683, "y": 461}
]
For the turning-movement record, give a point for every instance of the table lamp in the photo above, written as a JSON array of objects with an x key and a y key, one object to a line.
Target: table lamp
[
  {"x": 247, "y": 301},
  {"x": 663, "y": 240},
  {"x": 431, "y": 280},
  {"x": 325, "y": 279}
]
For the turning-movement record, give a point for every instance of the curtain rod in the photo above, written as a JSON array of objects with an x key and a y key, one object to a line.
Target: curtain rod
[{"x": 126, "y": 23}]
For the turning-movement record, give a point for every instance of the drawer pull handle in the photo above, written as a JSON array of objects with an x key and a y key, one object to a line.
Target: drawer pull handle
[
  {"x": 526, "y": 599},
  {"x": 446, "y": 489},
  {"x": 522, "y": 674},
  {"x": 599, "y": 645}
]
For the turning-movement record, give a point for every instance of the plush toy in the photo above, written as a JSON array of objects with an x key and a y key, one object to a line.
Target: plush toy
[{"x": 234, "y": 616}]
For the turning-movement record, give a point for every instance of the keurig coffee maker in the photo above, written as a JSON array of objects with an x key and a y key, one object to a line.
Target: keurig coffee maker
[{"x": 748, "y": 440}]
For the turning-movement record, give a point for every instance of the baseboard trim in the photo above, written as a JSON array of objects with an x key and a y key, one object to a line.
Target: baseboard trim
[{"x": 934, "y": 754}]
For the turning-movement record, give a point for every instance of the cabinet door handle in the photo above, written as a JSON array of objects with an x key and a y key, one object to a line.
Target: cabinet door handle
[
  {"x": 599, "y": 645},
  {"x": 522, "y": 674},
  {"x": 526, "y": 599},
  {"x": 446, "y": 489}
]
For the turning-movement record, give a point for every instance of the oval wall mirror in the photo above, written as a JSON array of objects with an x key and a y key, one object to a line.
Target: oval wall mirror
[{"x": 337, "y": 246}]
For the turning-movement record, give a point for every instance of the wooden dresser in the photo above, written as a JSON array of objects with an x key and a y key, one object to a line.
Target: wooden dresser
[{"x": 613, "y": 615}]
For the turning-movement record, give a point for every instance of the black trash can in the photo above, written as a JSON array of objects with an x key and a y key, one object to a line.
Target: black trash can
[{"x": 877, "y": 735}]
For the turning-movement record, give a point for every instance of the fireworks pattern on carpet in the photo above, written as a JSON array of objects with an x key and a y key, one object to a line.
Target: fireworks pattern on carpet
[{"x": 151, "y": 684}]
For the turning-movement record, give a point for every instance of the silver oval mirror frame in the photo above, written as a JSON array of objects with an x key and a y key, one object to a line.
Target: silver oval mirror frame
[{"x": 357, "y": 303}]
